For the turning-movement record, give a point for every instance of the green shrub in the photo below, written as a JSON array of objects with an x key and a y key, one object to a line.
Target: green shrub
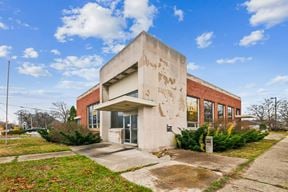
[
  {"x": 18, "y": 131},
  {"x": 70, "y": 133},
  {"x": 263, "y": 126},
  {"x": 222, "y": 139},
  {"x": 253, "y": 135},
  {"x": 45, "y": 134},
  {"x": 77, "y": 138},
  {"x": 193, "y": 140}
]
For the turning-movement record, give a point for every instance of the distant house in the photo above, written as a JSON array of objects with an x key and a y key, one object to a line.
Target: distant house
[{"x": 145, "y": 95}]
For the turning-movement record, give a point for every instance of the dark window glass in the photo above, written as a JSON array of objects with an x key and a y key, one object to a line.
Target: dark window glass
[
  {"x": 220, "y": 112},
  {"x": 238, "y": 112},
  {"x": 133, "y": 93},
  {"x": 208, "y": 111},
  {"x": 230, "y": 113},
  {"x": 116, "y": 119}
]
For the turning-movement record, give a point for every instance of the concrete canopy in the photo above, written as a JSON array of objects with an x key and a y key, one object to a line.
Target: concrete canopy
[{"x": 124, "y": 103}]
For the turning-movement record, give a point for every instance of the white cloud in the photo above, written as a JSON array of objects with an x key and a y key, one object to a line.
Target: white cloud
[
  {"x": 86, "y": 67},
  {"x": 141, "y": 13},
  {"x": 33, "y": 70},
  {"x": 4, "y": 50},
  {"x": 108, "y": 20},
  {"x": 65, "y": 84},
  {"x": 3, "y": 26},
  {"x": 233, "y": 60},
  {"x": 178, "y": 13},
  {"x": 192, "y": 66},
  {"x": 252, "y": 39},
  {"x": 204, "y": 40},
  {"x": 55, "y": 52},
  {"x": 267, "y": 12},
  {"x": 92, "y": 20},
  {"x": 90, "y": 74},
  {"x": 30, "y": 53},
  {"x": 280, "y": 79},
  {"x": 112, "y": 48}
]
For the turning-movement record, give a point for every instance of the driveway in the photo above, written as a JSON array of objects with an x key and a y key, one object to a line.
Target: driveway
[
  {"x": 183, "y": 171},
  {"x": 269, "y": 172}
]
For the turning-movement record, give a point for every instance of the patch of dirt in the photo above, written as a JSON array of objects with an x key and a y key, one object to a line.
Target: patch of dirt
[{"x": 183, "y": 177}]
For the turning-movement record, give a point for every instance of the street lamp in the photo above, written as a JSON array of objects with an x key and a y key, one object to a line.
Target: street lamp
[{"x": 275, "y": 105}]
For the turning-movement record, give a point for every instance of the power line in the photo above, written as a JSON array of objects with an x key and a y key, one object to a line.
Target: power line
[{"x": 25, "y": 107}]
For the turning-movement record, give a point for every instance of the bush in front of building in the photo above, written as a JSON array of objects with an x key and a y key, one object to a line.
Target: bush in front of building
[
  {"x": 70, "y": 134},
  {"x": 222, "y": 139}
]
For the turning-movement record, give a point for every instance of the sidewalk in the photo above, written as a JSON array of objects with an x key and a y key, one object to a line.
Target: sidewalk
[
  {"x": 269, "y": 172},
  {"x": 36, "y": 156}
]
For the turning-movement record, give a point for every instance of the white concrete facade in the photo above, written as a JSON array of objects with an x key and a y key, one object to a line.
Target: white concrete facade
[{"x": 158, "y": 74}]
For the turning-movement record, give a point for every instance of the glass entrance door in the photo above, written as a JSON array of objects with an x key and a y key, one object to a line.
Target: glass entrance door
[{"x": 130, "y": 128}]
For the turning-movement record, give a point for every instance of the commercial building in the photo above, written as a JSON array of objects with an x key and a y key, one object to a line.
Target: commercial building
[{"x": 145, "y": 95}]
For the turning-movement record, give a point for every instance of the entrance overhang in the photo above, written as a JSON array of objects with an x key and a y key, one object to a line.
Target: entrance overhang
[{"x": 124, "y": 103}]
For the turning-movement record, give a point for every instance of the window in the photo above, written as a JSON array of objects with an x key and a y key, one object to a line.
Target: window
[
  {"x": 208, "y": 111},
  {"x": 238, "y": 112},
  {"x": 221, "y": 112},
  {"x": 230, "y": 113},
  {"x": 116, "y": 119},
  {"x": 192, "y": 112},
  {"x": 133, "y": 93},
  {"x": 93, "y": 117}
]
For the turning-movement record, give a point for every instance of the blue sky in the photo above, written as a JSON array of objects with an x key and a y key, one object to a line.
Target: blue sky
[{"x": 57, "y": 47}]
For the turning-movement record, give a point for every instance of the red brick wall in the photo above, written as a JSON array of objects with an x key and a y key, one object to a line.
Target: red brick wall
[
  {"x": 194, "y": 89},
  {"x": 82, "y": 104},
  {"x": 202, "y": 92}
]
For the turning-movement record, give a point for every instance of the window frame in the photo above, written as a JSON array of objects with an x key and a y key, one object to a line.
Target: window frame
[
  {"x": 198, "y": 112},
  {"x": 223, "y": 107},
  {"x": 232, "y": 113},
  {"x": 212, "y": 112},
  {"x": 93, "y": 123}
]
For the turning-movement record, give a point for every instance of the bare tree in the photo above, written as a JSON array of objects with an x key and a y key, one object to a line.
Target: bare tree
[
  {"x": 283, "y": 112},
  {"x": 257, "y": 111},
  {"x": 265, "y": 112},
  {"x": 37, "y": 119},
  {"x": 60, "y": 111}
]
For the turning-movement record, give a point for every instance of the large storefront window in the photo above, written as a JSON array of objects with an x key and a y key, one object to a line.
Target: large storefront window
[
  {"x": 230, "y": 113},
  {"x": 192, "y": 112},
  {"x": 221, "y": 112},
  {"x": 208, "y": 111},
  {"x": 116, "y": 119},
  {"x": 93, "y": 117}
]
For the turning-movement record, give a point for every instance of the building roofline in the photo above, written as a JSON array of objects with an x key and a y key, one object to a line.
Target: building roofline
[
  {"x": 88, "y": 91},
  {"x": 132, "y": 41},
  {"x": 210, "y": 85}
]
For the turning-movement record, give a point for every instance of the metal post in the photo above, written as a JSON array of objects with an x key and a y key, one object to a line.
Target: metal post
[
  {"x": 7, "y": 94},
  {"x": 275, "y": 112}
]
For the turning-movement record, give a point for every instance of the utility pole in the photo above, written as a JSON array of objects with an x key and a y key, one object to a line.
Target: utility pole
[
  {"x": 275, "y": 106},
  {"x": 7, "y": 99}
]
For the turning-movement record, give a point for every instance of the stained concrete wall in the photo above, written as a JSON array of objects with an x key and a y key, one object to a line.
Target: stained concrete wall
[
  {"x": 162, "y": 79},
  {"x": 126, "y": 58}
]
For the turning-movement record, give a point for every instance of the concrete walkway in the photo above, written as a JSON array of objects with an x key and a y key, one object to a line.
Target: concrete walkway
[
  {"x": 117, "y": 157},
  {"x": 36, "y": 156},
  {"x": 269, "y": 172}
]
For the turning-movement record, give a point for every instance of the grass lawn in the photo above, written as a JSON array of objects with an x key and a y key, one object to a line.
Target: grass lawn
[
  {"x": 75, "y": 173},
  {"x": 250, "y": 150},
  {"x": 29, "y": 145}
]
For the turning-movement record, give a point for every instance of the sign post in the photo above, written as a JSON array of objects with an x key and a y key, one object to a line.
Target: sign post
[{"x": 209, "y": 144}]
